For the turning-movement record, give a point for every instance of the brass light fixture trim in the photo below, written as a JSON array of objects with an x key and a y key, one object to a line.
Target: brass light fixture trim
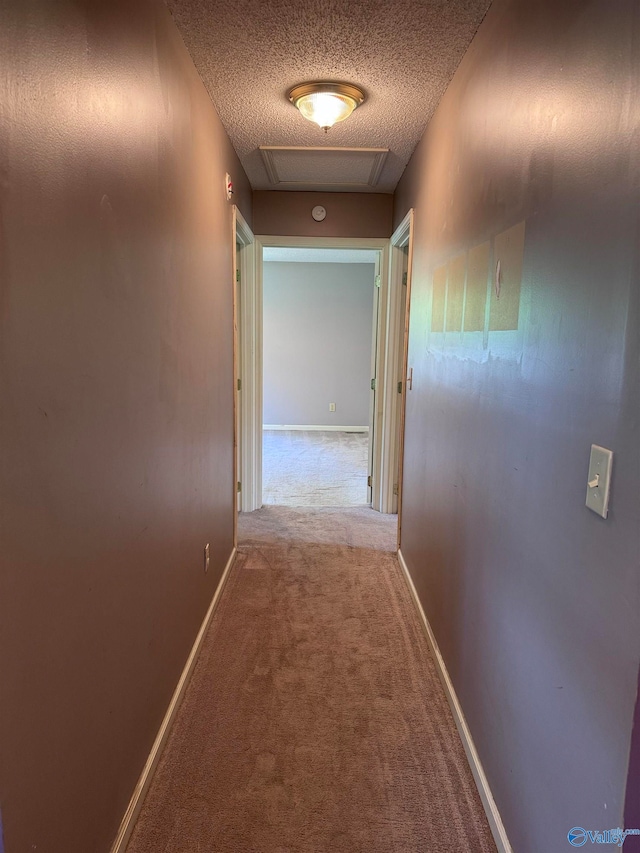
[{"x": 326, "y": 103}]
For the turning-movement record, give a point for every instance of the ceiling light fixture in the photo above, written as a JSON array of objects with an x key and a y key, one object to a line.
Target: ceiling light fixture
[{"x": 326, "y": 103}]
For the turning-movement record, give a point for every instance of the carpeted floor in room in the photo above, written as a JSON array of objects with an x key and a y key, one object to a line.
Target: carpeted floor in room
[
  {"x": 314, "y": 721},
  {"x": 314, "y": 467}
]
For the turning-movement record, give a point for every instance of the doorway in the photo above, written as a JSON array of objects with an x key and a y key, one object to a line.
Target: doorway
[
  {"x": 320, "y": 309},
  {"x": 391, "y": 323},
  {"x": 380, "y": 246}
]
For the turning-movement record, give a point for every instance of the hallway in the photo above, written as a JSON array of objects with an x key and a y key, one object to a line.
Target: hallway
[
  {"x": 315, "y": 721},
  {"x": 493, "y": 165}
]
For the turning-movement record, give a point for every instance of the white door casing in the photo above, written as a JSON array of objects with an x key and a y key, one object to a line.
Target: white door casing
[
  {"x": 390, "y": 333},
  {"x": 401, "y": 260},
  {"x": 248, "y": 361},
  {"x": 373, "y": 400}
]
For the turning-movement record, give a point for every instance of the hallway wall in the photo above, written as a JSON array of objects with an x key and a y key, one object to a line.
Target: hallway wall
[
  {"x": 288, "y": 214},
  {"x": 116, "y": 401},
  {"x": 531, "y": 159}
]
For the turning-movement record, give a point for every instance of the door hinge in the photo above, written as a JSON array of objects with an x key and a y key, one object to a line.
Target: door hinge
[
  {"x": 373, "y": 384},
  {"x": 395, "y": 488},
  {"x": 400, "y": 387},
  {"x": 239, "y": 486},
  {"x": 239, "y": 384},
  {"x": 376, "y": 281},
  {"x": 237, "y": 275},
  {"x": 404, "y": 278},
  {"x": 369, "y": 481}
]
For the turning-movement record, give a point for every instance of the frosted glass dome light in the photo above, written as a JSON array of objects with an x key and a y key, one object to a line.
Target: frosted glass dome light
[{"x": 326, "y": 103}]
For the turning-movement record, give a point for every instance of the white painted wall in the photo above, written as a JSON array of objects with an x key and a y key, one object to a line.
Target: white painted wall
[{"x": 317, "y": 342}]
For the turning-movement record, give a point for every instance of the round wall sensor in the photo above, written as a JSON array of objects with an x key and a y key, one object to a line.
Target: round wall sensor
[{"x": 318, "y": 213}]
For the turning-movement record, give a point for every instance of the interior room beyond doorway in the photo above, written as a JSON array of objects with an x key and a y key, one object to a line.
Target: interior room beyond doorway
[{"x": 318, "y": 350}]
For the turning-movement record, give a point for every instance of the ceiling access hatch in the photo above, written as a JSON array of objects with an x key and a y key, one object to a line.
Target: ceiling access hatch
[{"x": 338, "y": 169}]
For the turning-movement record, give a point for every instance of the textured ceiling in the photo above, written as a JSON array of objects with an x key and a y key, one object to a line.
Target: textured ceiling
[
  {"x": 403, "y": 53},
  {"x": 319, "y": 256}
]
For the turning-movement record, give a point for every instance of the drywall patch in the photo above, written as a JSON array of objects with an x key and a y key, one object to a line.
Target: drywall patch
[
  {"x": 476, "y": 295},
  {"x": 438, "y": 303},
  {"x": 455, "y": 293},
  {"x": 467, "y": 296},
  {"x": 505, "y": 296}
]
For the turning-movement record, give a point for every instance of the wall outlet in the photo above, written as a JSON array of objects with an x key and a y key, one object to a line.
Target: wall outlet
[
  {"x": 332, "y": 407},
  {"x": 206, "y": 558}
]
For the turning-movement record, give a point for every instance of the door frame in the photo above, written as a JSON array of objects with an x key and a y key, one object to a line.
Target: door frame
[
  {"x": 381, "y": 244},
  {"x": 398, "y": 350},
  {"x": 247, "y": 366},
  {"x": 374, "y": 393}
]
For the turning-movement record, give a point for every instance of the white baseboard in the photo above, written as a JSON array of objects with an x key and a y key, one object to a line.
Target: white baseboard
[
  {"x": 324, "y": 428},
  {"x": 488, "y": 802},
  {"x": 144, "y": 782}
]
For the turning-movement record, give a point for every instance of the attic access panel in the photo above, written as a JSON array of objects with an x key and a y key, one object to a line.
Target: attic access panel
[{"x": 304, "y": 168}]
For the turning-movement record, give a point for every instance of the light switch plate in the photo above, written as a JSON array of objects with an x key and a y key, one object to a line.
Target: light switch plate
[{"x": 599, "y": 479}]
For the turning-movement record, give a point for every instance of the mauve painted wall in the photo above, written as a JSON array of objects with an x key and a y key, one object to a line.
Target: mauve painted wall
[
  {"x": 116, "y": 384},
  {"x": 632, "y": 800},
  {"x": 534, "y": 599},
  {"x": 348, "y": 214}
]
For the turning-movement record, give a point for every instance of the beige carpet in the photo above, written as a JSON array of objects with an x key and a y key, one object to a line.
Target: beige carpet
[
  {"x": 314, "y": 468},
  {"x": 314, "y": 721}
]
